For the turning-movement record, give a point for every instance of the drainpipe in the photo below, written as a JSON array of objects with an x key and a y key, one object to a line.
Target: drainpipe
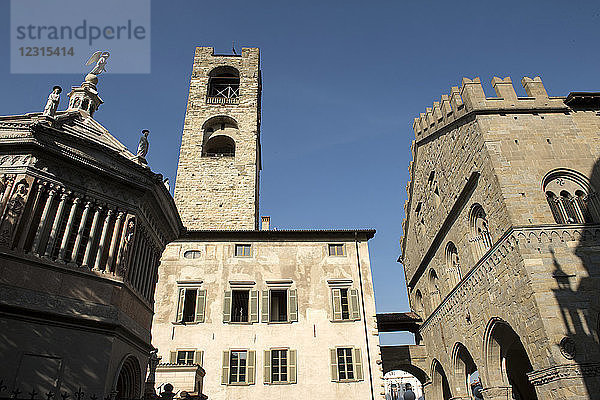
[{"x": 362, "y": 301}]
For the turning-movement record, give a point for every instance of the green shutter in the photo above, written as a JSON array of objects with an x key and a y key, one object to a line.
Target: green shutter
[
  {"x": 267, "y": 369},
  {"x": 251, "y": 365},
  {"x": 337, "y": 304},
  {"x": 180, "y": 305},
  {"x": 265, "y": 306},
  {"x": 225, "y": 372},
  {"x": 292, "y": 366},
  {"x": 200, "y": 305},
  {"x": 292, "y": 305},
  {"x": 227, "y": 307},
  {"x": 173, "y": 357},
  {"x": 254, "y": 306},
  {"x": 199, "y": 357},
  {"x": 354, "y": 305},
  {"x": 357, "y": 363},
  {"x": 334, "y": 365}
]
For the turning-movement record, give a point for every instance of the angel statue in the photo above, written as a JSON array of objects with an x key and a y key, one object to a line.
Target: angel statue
[
  {"x": 100, "y": 58},
  {"x": 52, "y": 103},
  {"x": 142, "y": 149}
]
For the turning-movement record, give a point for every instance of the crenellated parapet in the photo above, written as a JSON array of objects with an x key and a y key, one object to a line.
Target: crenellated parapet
[{"x": 470, "y": 97}]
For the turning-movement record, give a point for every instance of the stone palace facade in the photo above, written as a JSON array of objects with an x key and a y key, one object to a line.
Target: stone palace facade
[{"x": 501, "y": 243}]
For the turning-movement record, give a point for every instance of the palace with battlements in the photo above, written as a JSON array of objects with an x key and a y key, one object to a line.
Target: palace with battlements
[{"x": 501, "y": 244}]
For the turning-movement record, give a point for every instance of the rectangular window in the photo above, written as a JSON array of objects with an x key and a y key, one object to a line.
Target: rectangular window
[
  {"x": 243, "y": 250},
  {"x": 346, "y": 306},
  {"x": 239, "y": 305},
  {"x": 345, "y": 365},
  {"x": 279, "y": 366},
  {"x": 237, "y": 370},
  {"x": 191, "y": 306},
  {"x": 185, "y": 357},
  {"x": 279, "y": 306},
  {"x": 336, "y": 249}
]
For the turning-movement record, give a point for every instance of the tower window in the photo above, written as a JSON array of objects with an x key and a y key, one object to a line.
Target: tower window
[
  {"x": 224, "y": 83},
  {"x": 220, "y": 145}
]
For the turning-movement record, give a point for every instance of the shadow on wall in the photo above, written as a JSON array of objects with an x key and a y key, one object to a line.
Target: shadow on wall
[
  {"x": 579, "y": 302},
  {"x": 40, "y": 358}
]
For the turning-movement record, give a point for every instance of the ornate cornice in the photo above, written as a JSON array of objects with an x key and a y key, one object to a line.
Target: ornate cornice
[
  {"x": 482, "y": 274},
  {"x": 565, "y": 371}
]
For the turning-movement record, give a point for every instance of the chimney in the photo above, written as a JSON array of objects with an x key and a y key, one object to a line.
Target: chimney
[{"x": 266, "y": 221}]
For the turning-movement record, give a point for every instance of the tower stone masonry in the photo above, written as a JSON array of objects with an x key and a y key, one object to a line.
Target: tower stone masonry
[{"x": 219, "y": 160}]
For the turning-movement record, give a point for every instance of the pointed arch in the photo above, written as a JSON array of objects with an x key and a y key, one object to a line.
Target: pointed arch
[
  {"x": 439, "y": 382},
  {"x": 506, "y": 359},
  {"x": 128, "y": 383}
]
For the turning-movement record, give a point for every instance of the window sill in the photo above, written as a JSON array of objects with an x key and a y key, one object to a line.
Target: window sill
[
  {"x": 186, "y": 323},
  {"x": 239, "y": 384},
  {"x": 337, "y": 321},
  {"x": 279, "y": 322},
  {"x": 239, "y": 323},
  {"x": 279, "y": 383}
]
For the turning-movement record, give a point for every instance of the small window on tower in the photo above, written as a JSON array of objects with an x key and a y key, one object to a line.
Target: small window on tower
[
  {"x": 219, "y": 146},
  {"x": 223, "y": 86}
]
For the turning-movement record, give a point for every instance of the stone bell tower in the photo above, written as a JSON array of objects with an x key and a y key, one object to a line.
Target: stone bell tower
[{"x": 219, "y": 160}]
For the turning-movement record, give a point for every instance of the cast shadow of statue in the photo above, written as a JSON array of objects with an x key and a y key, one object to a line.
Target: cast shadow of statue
[{"x": 578, "y": 297}]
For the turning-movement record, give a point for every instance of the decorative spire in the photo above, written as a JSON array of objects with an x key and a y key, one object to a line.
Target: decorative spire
[{"x": 85, "y": 97}]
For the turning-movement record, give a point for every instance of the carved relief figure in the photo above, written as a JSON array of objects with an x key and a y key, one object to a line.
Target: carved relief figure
[
  {"x": 14, "y": 209},
  {"x": 126, "y": 244}
]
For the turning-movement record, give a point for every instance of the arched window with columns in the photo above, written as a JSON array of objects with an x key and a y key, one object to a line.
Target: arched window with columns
[
  {"x": 452, "y": 264},
  {"x": 480, "y": 231},
  {"x": 571, "y": 197},
  {"x": 435, "y": 294}
]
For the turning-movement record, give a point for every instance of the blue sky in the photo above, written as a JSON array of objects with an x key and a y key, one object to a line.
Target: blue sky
[{"x": 342, "y": 82}]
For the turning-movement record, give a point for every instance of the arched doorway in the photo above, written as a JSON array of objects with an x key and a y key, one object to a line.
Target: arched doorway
[
  {"x": 507, "y": 360},
  {"x": 465, "y": 370},
  {"x": 439, "y": 382},
  {"x": 396, "y": 382},
  {"x": 129, "y": 379}
]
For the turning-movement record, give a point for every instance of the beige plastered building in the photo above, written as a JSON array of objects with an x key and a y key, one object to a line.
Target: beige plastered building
[{"x": 243, "y": 312}]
